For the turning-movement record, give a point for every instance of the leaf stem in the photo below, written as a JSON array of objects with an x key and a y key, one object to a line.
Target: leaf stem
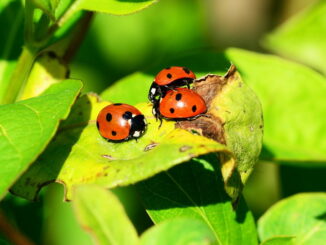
[
  {"x": 29, "y": 25},
  {"x": 19, "y": 75}
]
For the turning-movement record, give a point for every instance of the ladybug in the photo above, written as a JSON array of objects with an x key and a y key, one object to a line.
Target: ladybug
[
  {"x": 170, "y": 78},
  {"x": 120, "y": 122},
  {"x": 180, "y": 104}
]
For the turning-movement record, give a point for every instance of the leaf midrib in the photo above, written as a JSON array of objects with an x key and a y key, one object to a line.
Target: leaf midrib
[{"x": 196, "y": 208}]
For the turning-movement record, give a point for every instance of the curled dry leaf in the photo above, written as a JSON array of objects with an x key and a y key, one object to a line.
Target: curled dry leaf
[{"x": 235, "y": 120}]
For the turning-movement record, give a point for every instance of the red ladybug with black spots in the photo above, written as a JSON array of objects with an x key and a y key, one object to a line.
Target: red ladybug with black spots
[
  {"x": 120, "y": 122},
  {"x": 169, "y": 78},
  {"x": 180, "y": 104}
]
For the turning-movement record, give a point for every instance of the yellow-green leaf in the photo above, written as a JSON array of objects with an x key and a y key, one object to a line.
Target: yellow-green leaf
[
  {"x": 78, "y": 154},
  {"x": 47, "y": 69}
]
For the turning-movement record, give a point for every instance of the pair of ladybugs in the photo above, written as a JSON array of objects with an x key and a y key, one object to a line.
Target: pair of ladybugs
[{"x": 171, "y": 100}]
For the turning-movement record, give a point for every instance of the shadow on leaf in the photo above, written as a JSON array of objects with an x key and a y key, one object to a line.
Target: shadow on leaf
[
  {"x": 194, "y": 188},
  {"x": 67, "y": 135}
]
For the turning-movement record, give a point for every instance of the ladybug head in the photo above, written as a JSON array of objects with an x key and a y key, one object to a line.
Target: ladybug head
[{"x": 138, "y": 126}]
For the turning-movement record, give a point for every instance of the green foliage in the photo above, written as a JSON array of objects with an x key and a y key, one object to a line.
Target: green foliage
[
  {"x": 195, "y": 190},
  {"x": 179, "y": 231},
  {"x": 240, "y": 111},
  {"x": 112, "y": 226},
  {"x": 303, "y": 37},
  {"x": 190, "y": 185},
  {"x": 10, "y": 41},
  {"x": 301, "y": 216},
  {"x": 131, "y": 89},
  {"x": 292, "y": 97},
  {"x": 27, "y": 127},
  {"x": 103, "y": 216}
]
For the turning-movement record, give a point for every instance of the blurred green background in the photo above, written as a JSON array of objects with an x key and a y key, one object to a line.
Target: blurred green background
[{"x": 116, "y": 46}]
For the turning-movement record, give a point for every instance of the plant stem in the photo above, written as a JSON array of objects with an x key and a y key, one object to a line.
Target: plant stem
[
  {"x": 19, "y": 75},
  {"x": 29, "y": 25}
]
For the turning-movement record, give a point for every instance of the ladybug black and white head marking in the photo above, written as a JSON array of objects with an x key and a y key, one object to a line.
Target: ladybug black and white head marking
[{"x": 138, "y": 126}]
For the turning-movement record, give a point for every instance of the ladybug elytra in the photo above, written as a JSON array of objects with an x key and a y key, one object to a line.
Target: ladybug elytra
[
  {"x": 180, "y": 104},
  {"x": 120, "y": 122},
  {"x": 169, "y": 78}
]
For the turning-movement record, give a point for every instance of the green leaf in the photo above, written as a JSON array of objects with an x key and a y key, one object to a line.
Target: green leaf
[
  {"x": 280, "y": 240},
  {"x": 196, "y": 190},
  {"x": 11, "y": 41},
  {"x": 179, "y": 231},
  {"x": 303, "y": 37},
  {"x": 293, "y": 98},
  {"x": 240, "y": 114},
  {"x": 47, "y": 69},
  {"x": 58, "y": 219},
  {"x": 116, "y": 7},
  {"x": 101, "y": 214},
  {"x": 130, "y": 89},
  {"x": 26, "y": 127},
  {"x": 78, "y": 154},
  {"x": 301, "y": 216}
]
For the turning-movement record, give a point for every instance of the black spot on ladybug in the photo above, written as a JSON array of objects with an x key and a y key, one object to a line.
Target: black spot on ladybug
[
  {"x": 169, "y": 75},
  {"x": 117, "y": 104},
  {"x": 97, "y": 125},
  {"x": 178, "y": 96},
  {"x": 171, "y": 110},
  {"x": 194, "y": 108},
  {"x": 114, "y": 133},
  {"x": 186, "y": 70},
  {"x": 127, "y": 115},
  {"x": 109, "y": 117}
]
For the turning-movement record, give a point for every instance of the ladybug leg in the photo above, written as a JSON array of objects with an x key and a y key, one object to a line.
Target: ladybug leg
[
  {"x": 157, "y": 116},
  {"x": 205, "y": 115},
  {"x": 166, "y": 88},
  {"x": 187, "y": 84},
  {"x": 161, "y": 121}
]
